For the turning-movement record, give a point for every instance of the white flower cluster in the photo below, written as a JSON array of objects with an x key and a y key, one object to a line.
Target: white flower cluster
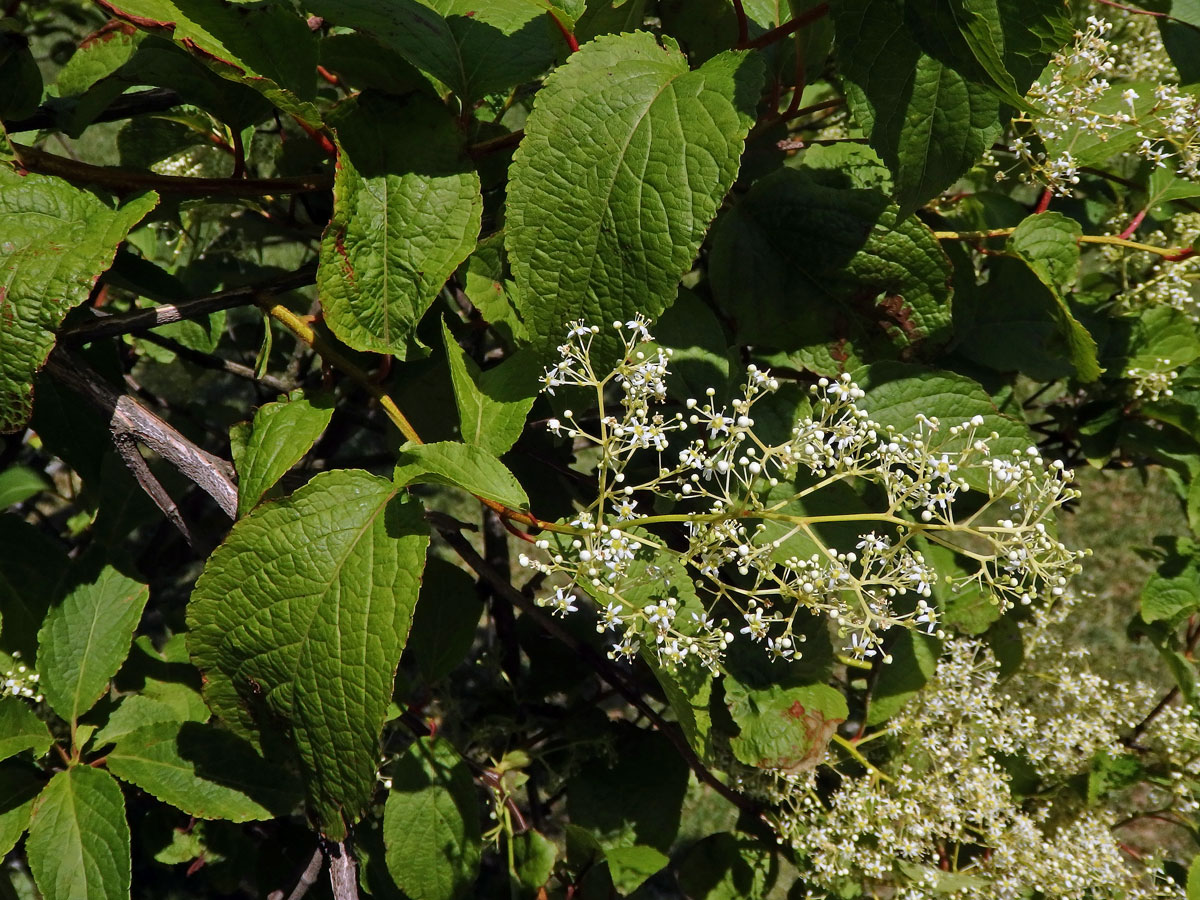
[
  {"x": 752, "y": 546},
  {"x": 1152, "y": 384},
  {"x": 21, "y": 681},
  {"x": 1161, "y": 282},
  {"x": 941, "y": 817},
  {"x": 1078, "y": 105}
]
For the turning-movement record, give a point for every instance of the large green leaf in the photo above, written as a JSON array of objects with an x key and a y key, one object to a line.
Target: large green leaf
[
  {"x": 31, "y": 572},
  {"x": 203, "y": 770},
  {"x": 927, "y": 122},
  {"x": 446, "y": 620},
  {"x": 85, "y": 639},
  {"x": 784, "y": 728},
  {"x": 266, "y": 46},
  {"x": 473, "y": 48},
  {"x": 626, "y": 156},
  {"x": 20, "y": 783},
  {"x": 1020, "y": 321},
  {"x": 463, "y": 466},
  {"x": 431, "y": 823},
  {"x": 78, "y": 845},
  {"x": 913, "y": 661},
  {"x": 492, "y": 405},
  {"x": 21, "y": 729},
  {"x": 802, "y": 260},
  {"x": 18, "y": 484},
  {"x": 301, "y": 616},
  {"x": 57, "y": 241},
  {"x": 1003, "y": 44},
  {"x": 281, "y": 434},
  {"x": 406, "y": 212},
  {"x": 634, "y": 800}
]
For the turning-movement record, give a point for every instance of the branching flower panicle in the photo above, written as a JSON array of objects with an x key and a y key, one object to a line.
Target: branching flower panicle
[
  {"x": 942, "y": 817},
  {"x": 753, "y": 549}
]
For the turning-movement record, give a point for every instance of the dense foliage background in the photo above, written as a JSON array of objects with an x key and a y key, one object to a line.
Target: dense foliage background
[{"x": 349, "y": 548}]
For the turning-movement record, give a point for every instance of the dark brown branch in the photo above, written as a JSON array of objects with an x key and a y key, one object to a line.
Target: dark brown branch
[
  {"x": 124, "y": 107},
  {"x": 127, "y": 416},
  {"x": 603, "y": 667},
  {"x": 491, "y": 145},
  {"x": 136, "y": 463},
  {"x": 166, "y": 313},
  {"x": 127, "y": 181}
]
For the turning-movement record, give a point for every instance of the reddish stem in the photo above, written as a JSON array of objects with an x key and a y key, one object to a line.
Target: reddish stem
[
  {"x": 1133, "y": 224},
  {"x": 329, "y": 76},
  {"x": 322, "y": 140},
  {"x": 1181, "y": 255},
  {"x": 1044, "y": 202},
  {"x": 742, "y": 22},
  {"x": 777, "y": 34},
  {"x": 1133, "y": 9},
  {"x": 572, "y": 44}
]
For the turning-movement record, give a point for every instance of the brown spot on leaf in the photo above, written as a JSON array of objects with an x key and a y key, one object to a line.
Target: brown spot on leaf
[
  {"x": 900, "y": 314},
  {"x": 107, "y": 33}
]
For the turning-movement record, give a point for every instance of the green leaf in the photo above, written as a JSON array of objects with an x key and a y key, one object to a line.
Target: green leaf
[
  {"x": 406, "y": 212},
  {"x": 462, "y": 466},
  {"x": 800, "y": 255},
  {"x": 1193, "y": 880},
  {"x": 57, "y": 241},
  {"x": 1004, "y": 44},
  {"x": 446, "y": 620},
  {"x": 1171, "y": 598},
  {"x": 431, "y": 823},
  {"x": 492, "y": 405},
  {"x": 135, "y": 711},
  {"x": 914, "y": 660},
  {"x": 631, "y": 866},
  {"x": 928, "y": 123},
  {"x": 722, "y": 867},
  {"x": 78, "y": 845},
  {"x": 1086, "y": 146},
  {"x": 266, "y": 46},
  {"x": 636, "y": 798},
  {"x": 31, "y": 571},
  {"x": 280, "y": 436},
  {"x": 783, "y": 728},
  {"x": 301, "y": 616},
  {"x": 98, "y": 57},
  {"x": 21, "y": 729},
  {"x": 19, "y": 73},
  {"x": 535, "y": 855},
  {"x": 1112, "y": 773},
  {"x": 20, "y": 783},
  {"x": 18, "y": 484},
  {"x": 204, "y": 771},
  {"x": 897, "y": 393},
  {"x": 1049, "y": 243},
  {"x": 85, "y": 639},
  {"x": 1020, "y": 321},
  {"x": 488, "y": 291},
  {"x": 688, "y": 690},
  {"x": 626, "y": 156},
  {"x": 473, "y": 48}
]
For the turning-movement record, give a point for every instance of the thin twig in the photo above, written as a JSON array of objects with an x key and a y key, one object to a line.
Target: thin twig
[
  {"x": 165, "y": 313},
  {"x": 743, "y": 23},
  {"x": 603, "y": 667},
  {"x": 1170, "y": 254},
  {"x": 126, "y": 415},
  {"x": 128, "y": 181},
  {"x": 128, "y": 449},
  {"x": 307, "y": 878}
]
